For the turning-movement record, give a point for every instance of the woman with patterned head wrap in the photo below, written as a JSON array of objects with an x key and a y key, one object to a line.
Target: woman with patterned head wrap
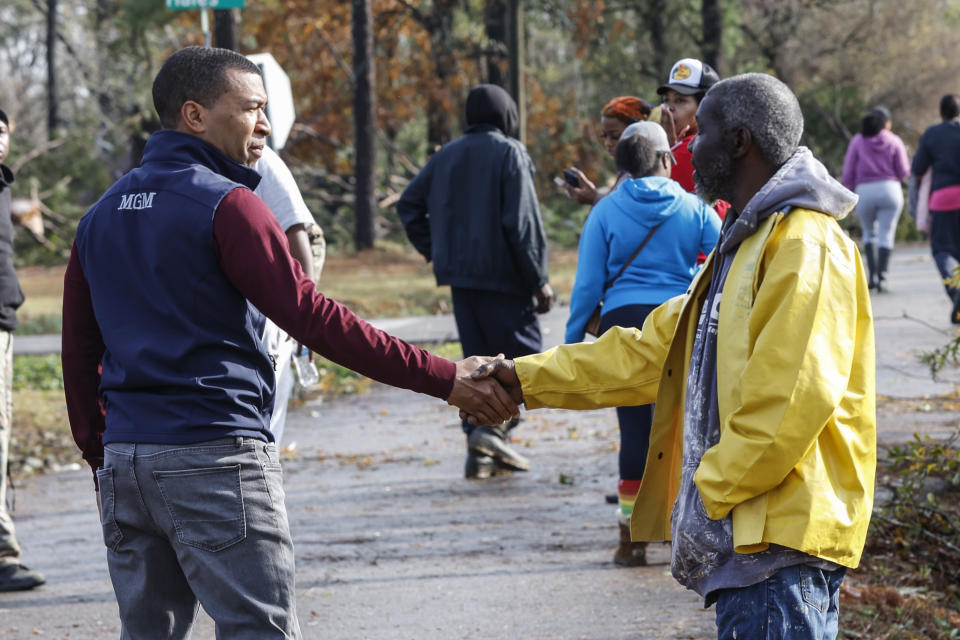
[{"x": 616, "y": 115}]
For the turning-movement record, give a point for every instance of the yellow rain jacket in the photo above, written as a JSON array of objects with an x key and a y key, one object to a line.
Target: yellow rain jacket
[{"x": 796, "y": 392}]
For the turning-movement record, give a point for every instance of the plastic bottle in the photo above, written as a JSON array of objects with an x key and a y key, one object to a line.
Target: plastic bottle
[{"x": 306, "y": 370}]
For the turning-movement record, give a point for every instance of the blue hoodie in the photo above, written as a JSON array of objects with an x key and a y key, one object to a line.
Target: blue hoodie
[{"x": 616, "y": 227}]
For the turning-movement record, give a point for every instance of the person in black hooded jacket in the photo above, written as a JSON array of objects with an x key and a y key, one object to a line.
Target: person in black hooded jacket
[
  {"x": 473, "y": 212},
  {"x": 13, "y": 575}
]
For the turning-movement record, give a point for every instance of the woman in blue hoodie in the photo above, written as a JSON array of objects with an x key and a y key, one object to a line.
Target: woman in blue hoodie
[{"x": 682, "y": 225}]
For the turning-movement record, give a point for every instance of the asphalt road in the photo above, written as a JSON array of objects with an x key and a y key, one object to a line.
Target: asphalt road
[{"x": 391, "y": 542}]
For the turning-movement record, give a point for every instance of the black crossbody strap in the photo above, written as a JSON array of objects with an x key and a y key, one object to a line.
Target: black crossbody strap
[{"x": 626, "y": 264}]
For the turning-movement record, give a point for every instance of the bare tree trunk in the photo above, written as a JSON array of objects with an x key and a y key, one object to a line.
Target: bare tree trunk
[
  {"x": 438, "y": 23},
  {"x": 439, "y": 96},
  {"x": 364, "y": 101},
  {"x": 496, "y": 29},
  {"x": 657, "y": 28},
  {"x": 516, "y": 43},
  {"x": 226, "y": 28},
  {"x": 53, "y": 109},
  {"x": 712, "y": 18}
]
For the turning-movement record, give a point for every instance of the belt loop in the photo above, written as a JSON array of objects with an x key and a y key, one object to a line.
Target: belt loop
[{"x": 238, "y": 441}]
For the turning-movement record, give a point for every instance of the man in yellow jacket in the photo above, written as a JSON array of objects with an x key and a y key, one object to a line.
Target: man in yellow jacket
[{"x": 763, "y": 449}]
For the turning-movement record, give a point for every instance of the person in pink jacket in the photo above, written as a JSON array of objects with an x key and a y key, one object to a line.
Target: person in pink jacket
[{"x": 875, "y": 167}]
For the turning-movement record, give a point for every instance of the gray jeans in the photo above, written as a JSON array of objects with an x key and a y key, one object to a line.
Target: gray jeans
[
  {"x": 879, "y": 210},
  {"x": 9, "y": 548},
  {"x": 202, "y": 522}
]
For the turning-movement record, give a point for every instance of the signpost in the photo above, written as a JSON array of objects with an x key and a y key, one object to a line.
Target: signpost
[{"x": 203, "y": 5}]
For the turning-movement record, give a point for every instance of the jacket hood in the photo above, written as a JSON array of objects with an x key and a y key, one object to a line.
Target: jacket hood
[
  {"x": 491, "y": 105},
  {"x": 802, "y": 182},
  {"x": 650, "y": 200},
  {"x": 884, "y": 142}
]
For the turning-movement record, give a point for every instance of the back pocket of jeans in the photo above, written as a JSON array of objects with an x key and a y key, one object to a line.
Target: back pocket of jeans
[
  {"x": 112, "y": 536},
  {"x": 206, "y": 505},
  {"x": 814, "y": 588}
]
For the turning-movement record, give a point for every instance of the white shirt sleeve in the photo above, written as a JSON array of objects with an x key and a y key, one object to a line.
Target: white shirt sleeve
[{"x": 279, "y": 190}]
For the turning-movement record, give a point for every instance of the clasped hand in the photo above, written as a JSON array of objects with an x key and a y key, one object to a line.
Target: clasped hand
[{"x": 486, "y": 390}]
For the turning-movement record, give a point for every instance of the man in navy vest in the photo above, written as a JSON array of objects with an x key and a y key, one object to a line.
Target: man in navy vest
[{"x": 167, "y": 274}]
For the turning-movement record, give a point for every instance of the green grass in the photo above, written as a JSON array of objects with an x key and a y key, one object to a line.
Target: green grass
[
  {"x": 41, "y": 373},
  {"x": 34, "y": 325},
  {"x": 336, "y": 379}
]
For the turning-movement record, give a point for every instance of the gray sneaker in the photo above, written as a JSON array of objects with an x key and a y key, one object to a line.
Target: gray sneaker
[
  {"x": 16, "y": 577},
  {"x": 489, "y": 441}
]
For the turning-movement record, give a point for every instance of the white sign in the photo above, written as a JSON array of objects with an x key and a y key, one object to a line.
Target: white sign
[{"x": 280, "y": 110}]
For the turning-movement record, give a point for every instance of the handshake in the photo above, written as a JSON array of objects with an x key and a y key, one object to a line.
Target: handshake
[{"x": 486, "y": 390}]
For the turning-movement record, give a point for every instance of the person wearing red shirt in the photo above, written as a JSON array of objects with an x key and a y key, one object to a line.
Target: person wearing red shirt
[
  {"x": 168, "y": 385},
  {"x": 686, "y": 85}
]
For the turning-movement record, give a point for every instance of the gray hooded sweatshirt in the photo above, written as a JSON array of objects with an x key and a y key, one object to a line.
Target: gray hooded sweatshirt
[{"x": 703, "y": 557}]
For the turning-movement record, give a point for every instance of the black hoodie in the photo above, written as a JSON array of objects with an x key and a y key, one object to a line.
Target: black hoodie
[
  {"x": 490, "y": 104},
  {"x": 473, "y": 209},
  {"x": 11, "y": 297}
]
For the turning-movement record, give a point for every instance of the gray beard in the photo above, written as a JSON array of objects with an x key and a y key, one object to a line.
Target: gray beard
[{"x": 715, "y": 180}]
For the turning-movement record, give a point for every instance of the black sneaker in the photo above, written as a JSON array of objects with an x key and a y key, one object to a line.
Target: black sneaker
[
  {"x": 488, "y": 441},
  {"x": 16, "y": 577},
  {"x": 478, "y": 467},
  {"x": 481, "y": 467}
]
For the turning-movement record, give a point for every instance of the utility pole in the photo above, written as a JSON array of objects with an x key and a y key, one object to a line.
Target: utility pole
[
  {"x": 226, "y": 28},
  {"x": 364, "y": 107},
  {"x": 53, "y": 107}
]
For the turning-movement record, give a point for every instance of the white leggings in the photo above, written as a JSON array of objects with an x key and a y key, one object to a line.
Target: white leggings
[{"x": 879, "y": 210}]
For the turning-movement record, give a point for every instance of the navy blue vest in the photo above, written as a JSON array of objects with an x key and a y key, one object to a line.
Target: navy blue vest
[{"x": 184, "y": 362}]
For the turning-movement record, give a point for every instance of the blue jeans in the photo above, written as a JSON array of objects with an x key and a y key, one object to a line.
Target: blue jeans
[
  {"x": 198, "y": 522},
  {"x": 795, "y": 603}
]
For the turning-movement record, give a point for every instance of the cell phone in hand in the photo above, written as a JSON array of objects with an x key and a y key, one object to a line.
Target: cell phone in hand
[{"x": 572, "y": 179}]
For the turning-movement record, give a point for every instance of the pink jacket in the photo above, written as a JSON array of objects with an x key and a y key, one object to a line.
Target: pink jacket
[{"x": 879, "y": 157}]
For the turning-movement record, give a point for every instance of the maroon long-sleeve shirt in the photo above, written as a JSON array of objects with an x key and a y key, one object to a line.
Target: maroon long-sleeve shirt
[{"x": 254, "y": 254}]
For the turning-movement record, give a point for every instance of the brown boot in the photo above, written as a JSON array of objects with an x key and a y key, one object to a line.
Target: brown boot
[{"x": 629, "y": 553}]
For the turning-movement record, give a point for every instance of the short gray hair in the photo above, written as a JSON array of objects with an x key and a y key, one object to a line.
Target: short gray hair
[{"x": 764, "y": 106}]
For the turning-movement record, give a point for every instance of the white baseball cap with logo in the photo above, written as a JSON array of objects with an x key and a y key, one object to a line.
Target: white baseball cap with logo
[
  {"x": 653, "y": 132},
  {"x": 690, "y": 76}
]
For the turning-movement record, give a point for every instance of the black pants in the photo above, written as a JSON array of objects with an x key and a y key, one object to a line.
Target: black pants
[
  {"x": 635, "y": 422},
  {"x": 490, "y": 323},
  {"x": 945, "y": 242}
]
